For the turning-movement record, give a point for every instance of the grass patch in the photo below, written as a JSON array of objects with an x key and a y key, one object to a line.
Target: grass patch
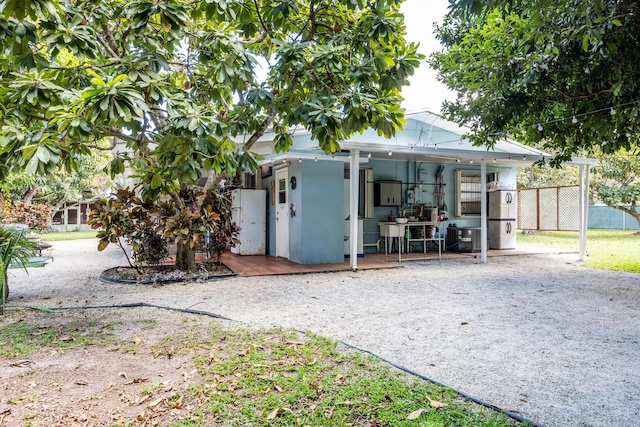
[
  {"x": 241, "y": 377},
  {"x": 280, "y": 378},
  {"x": 68, "y": 235},
  {"x": 20, "y": 337},
  {"x": 617, "y": 250}
]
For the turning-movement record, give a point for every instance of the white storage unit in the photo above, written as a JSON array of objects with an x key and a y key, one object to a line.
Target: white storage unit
[
  {"x": 347, "y": 238},
  {"x": 248, "y": 211},
  {"x": 503, "y": 212}
]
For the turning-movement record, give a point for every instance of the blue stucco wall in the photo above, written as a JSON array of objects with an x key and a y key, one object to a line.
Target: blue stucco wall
[
  {"x": 316, "y": 233},
  {"x": 317, "y": 230}
]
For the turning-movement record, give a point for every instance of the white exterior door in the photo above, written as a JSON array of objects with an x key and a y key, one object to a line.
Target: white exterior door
[{"x": 282, "y": 213}]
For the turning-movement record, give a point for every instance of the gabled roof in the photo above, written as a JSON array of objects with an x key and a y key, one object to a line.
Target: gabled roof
[{"x": 425, "y": 137}]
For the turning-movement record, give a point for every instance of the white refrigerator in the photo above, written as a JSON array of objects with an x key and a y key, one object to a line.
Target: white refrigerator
[{"x": 248, "y": 211}]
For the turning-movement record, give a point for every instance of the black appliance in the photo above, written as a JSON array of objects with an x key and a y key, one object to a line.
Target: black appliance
[{"x": 463, "y": 239}]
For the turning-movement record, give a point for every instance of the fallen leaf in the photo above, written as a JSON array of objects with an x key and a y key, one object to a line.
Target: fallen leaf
[
  {"x": 340, "y": 378},
  {"x": 436, "y": 404},
  {"x": 137, "y": 340},
  {"x": 277, "y": 412},
  {"x": 415, "y": 414},
  {"x": 346, "y": 402},
  {"x": 81, "y": 382},
  {"x": 328, "y": 413},
  {"x": 142, "y": 400},
  {"x": 122, "y": 374},
  {"x": 21, "y": 363},
  {"x": 67, "y": 338},
  {"x": 155, "y": 402},
  {"x": 464, "y": 323}
]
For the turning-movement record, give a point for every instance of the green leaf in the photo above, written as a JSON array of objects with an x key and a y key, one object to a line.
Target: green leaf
[
  {"x": 156, "y": 181},
  {"x": 585, "y": 42}
]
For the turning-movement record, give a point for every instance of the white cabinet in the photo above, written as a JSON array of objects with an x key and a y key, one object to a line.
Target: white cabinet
[
  {"x": 503, "y": 212},
  {"x": 503, "y": 204},
  {"x": 502, "y": 234}
]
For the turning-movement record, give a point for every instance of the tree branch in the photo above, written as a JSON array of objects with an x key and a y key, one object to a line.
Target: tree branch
[
  {"x": 312, "y": 19},
  {"x": 262, "y": 23},
  {"x": 111, "y": 42},
  {"x": 261, "y": 130}
]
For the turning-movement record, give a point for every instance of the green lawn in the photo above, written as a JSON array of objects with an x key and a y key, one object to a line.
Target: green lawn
[
  {"x": 607, "y": 249},
  {"x": 69, "y": 235}
]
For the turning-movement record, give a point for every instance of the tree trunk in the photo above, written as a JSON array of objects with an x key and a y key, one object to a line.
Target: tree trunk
[
  {"x": 185, "y": 258},
  {"x": 28, "y": 196},
  {"x": 633, "y": 211}
]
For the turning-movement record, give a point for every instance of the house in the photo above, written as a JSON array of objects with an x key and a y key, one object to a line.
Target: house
[
  {"x": 72, "y": 216},
  {"x": 316, "y": 201}
]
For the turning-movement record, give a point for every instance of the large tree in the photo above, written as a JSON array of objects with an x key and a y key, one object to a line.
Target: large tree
[
  {"x": 617, "y": 181},
  {"x": 87, "y": 181},
  {"x": 562, "y": 74},
  {"x": 178, "y": 81}
]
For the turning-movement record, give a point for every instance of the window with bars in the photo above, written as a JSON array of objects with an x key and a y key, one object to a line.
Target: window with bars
[{"x": 468, "y": 193}]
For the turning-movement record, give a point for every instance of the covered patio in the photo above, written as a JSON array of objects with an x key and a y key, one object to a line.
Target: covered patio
[{"x": 266, "y": 265}]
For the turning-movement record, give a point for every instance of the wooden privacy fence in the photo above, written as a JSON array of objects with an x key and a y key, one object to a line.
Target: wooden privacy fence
[{"x": 554, "y": 208}]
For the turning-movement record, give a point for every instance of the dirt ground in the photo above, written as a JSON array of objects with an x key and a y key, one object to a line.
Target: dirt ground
[{"x": 124, "y": 380}]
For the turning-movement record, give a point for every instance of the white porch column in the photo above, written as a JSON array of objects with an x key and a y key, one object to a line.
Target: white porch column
[
  {"x": 584, "y": 209},
  {"x": 354, "y": 185},
  {"x": 483, "y": 210}
]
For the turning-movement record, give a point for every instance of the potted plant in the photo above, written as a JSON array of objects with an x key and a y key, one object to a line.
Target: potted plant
[{"x": 15, "y": 251}]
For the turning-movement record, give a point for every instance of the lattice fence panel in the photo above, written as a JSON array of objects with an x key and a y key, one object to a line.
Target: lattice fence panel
[
  {"x": 528, "y": 209},
  {"x": 569, "y": 212},
  {"x": 555, "y": 208},
  {"x": 548, "y": 208}
]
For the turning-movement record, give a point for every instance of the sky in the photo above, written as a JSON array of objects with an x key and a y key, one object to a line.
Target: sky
[{"x": 425, "y": 91}]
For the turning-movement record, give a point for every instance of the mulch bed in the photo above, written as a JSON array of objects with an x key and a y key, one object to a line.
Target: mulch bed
[{"x": 165, "y": 274}]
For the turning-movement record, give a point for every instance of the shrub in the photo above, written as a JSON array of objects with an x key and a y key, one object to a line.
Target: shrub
[
  {"x": 37, "y": 217},
  {"x": 128, "y": 217},
  {"x": 197, "y": 220}
]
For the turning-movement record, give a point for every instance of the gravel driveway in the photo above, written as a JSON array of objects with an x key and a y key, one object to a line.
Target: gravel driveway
[{"x": 538, "y": 335}]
